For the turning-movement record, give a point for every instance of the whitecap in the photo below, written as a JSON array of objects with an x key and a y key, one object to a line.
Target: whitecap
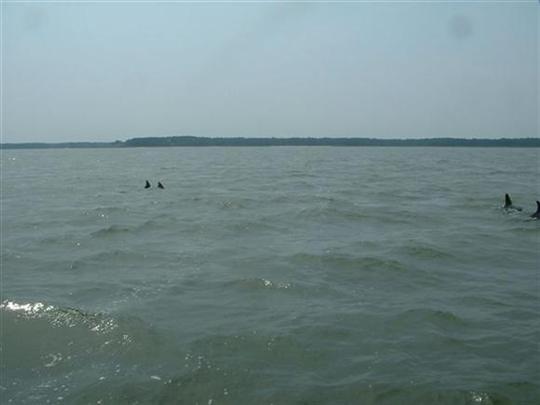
[{"x": 29, "y": 308}]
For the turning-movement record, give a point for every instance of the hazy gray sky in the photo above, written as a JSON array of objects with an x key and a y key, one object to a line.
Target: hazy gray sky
[{"x": 106, "y": 71}]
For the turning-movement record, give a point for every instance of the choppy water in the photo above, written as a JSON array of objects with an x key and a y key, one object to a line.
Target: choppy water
[{"x": 270, "y": 276}]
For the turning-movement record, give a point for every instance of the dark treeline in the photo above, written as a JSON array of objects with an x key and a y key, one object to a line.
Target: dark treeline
[
  {"x": 200, "y": 141},
  {"x": 203, "y": 141}
]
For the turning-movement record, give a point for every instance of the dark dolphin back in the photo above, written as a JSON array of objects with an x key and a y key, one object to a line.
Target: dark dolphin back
[{"x": 537, "y": 213}]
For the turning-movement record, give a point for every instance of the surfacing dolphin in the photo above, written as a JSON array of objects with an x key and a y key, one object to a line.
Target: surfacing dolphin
[
  {"x": 147, "y": 185},
  {"x": 160, "y": 185},
  {"x": 508, "y": 205},
  {"x": 537, "y": 213}
]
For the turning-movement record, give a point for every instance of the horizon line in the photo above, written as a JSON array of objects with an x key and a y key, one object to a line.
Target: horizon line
[
  {"x": 198, "y": 141},
  {"x": 270, "y": 137}
]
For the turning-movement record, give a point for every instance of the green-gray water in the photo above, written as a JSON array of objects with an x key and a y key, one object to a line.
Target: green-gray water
[{"x": 270, "y": 276}]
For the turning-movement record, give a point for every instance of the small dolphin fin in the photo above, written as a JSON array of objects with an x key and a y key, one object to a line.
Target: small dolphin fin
[
  {"x": 537, "y": 213},
  {"x": 160, "y": 185},
  {"x": 507, "y": 201},
  {"x": 147, "y": 185}
]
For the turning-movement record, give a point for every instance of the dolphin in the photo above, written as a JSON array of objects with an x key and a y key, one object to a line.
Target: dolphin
[
  {"x": 147, "y": 185},
  {"x": 537, "y": 213},
  {"x": 160, "y": 185},
  {"x": 508, "y": 204}
]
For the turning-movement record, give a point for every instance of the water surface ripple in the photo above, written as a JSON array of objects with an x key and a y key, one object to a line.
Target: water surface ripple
[{"x": 270, "y": 275}]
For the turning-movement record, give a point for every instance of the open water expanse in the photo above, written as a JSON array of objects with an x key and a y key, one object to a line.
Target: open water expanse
[{"x": 284, "y": 275}]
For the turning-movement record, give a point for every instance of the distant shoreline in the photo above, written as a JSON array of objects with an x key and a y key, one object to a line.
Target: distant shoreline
[{"x": 179, "y": 141}]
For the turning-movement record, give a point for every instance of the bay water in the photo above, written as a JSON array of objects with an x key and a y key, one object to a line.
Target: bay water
[{"x": 277, "y": 275}]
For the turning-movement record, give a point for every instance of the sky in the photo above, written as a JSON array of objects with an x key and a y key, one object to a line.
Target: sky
[{"x": 105, "y": 71}]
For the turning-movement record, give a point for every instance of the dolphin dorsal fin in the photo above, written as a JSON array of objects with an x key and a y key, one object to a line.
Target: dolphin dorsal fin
[
  {"x": 507, "y": 201},
  {"x": 147, "y": 185},
  {"x": 537, "y": 213}
]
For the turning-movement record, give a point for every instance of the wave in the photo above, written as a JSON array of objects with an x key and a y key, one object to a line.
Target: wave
[
  {"x": 254, "y": 226},
  {"x": 78, "y": 335},
  {"x": 301, "y": 174},
  {"x": 211, "y": 384},
  {"x": 259, "y": 283},
  {"x": 527, "y": 229},
  {"x": 346, "y": 261},
  {"x": 111, "y": 231},
  {"x": 325, "y": 211},
  {"x": 104, "y": 212},
  {"x": 106, "y": 359},
  {"x": 216, "y": 368},
  {"x": 159, "y": 222},
  {"x": 423, "y": 251},
  {"x": 435, "y": 316},
  {"x": 60, "y": 317},
  {"x": 50, "y": 352},
  {"x": 105, "y": 258},
  {"x": 231, "y": 204},
  {"x": 408, "y": 394}
]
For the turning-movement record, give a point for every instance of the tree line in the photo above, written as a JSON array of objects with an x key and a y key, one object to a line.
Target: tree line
[{"x": 296, "y": 141}]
